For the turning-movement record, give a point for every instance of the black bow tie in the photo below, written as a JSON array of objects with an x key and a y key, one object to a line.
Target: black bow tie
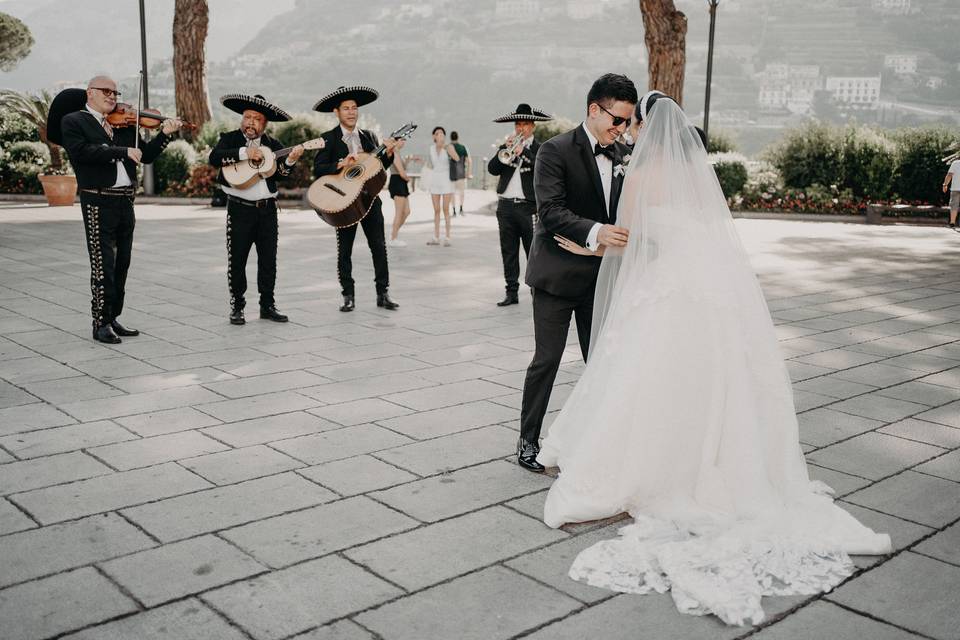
[{"x": 607, "y": 151}]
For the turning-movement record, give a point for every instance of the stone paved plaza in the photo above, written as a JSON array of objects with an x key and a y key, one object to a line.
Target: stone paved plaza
[{"x": 351, "y": 476}]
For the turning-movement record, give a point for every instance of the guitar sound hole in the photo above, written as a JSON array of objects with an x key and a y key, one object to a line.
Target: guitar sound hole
[{"x": 353, "y": 172}]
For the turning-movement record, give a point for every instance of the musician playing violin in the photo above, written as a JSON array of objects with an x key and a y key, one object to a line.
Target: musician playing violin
[
  {"x": 252, "y": 211},
  {"x": 105, "y": 160},
  {"x": 343, "y": 143}
]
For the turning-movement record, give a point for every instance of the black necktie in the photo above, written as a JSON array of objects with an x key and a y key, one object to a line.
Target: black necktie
[{"x": 607, "y": 151}]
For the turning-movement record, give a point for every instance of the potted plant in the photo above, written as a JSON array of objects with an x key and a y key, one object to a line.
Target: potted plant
[{"x": 59, "y": 186}]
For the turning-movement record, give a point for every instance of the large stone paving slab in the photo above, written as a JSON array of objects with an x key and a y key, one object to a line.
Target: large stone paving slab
[
  {"x": 186, "y": 620},
  {"x": 301, "y": 597},
  {"x": 492, "y": 604},
  {"x": 40, "y": 552},
  {"x": 172, "y": 571},
  {"x": 223, "y": 507},
  {"x": 60, "y": 603},
  {"x": 494, "y": 534},
  {"x": 109, "y": 492},
  {"x": 926, "y": 595},
  {"x": 315, "y": 532}
]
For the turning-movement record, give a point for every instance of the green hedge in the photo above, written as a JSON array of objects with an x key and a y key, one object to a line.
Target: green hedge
[
  {"x": 21, "y": 164},
  {"x": 872, "y": 164},
  {"x": 172, "y": 167},
  {"x": 731, "y": 170},
  {"x": 920, "y": 169}
]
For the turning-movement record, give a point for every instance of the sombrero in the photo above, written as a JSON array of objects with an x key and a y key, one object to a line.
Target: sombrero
[
  {"x": 67, "y": 101},
  {"x": 240, "y": 102},
  {"x": 358, "y": 93},
  {"x": 525, "y": 112}
]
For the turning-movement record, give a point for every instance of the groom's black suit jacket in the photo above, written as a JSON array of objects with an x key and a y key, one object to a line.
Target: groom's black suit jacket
[{"x": 569, "y": 202}]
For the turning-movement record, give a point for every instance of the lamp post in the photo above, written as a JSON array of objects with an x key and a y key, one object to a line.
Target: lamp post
[
  {"x": 706, "y": 102},
  {"x": 147, "y": 169}
]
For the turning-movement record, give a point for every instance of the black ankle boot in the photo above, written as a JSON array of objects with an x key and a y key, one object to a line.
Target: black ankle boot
[
  {"x": 383, "y": 300},
  {"x": 348, "y": 304},
  {"x": 271, "y": 313}
]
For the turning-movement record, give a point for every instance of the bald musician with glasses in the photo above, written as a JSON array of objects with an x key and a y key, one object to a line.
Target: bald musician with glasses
[{"x": 105, "y": 161}]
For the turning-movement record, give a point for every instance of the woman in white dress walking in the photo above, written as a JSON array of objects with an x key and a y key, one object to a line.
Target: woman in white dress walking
[
  {"x": 439, "y": 183},
  {"x": 684, "y": 415}
]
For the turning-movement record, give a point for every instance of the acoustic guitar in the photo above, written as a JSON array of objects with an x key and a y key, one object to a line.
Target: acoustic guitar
[
  {"x": 244, "y": 173},
  {"x": 344, "y": 198}
]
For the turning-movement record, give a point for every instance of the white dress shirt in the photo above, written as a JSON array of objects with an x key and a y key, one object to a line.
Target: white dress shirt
[
  {"x": 605, "y": 167},
  {"x": 352, "y": 140},
  {"x": 515, "y": 186},
  {"x": 123, "y": 180}
]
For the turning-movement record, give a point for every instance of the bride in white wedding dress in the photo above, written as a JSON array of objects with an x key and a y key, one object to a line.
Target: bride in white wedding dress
[{"x": 684, "y": 415}]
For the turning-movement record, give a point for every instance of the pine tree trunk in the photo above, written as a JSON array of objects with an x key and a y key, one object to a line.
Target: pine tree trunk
[
  {"x": 665, "y": 34},
  {"x": 190, "y": 21}
]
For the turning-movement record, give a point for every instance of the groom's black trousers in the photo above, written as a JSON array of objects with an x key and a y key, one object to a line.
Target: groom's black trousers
[{"x": 551, "y": 323}]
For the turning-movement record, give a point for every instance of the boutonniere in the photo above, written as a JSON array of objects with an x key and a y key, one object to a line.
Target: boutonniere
[{"x": 619, "y": 170}]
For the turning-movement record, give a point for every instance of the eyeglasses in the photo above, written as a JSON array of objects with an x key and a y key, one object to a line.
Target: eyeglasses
[
  {"x": 115, "y": 93},
  {"x": 617, "y": 120}
]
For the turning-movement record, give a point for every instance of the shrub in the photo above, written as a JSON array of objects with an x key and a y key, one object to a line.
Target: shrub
[
  {"x": 546, "y": 130},
  {"x": 920, "y": 169},
  {"x": 200, "y": 183},
  {"x": 720, "y": 141},
  {"x": 811, "y": 154},
  {"x": 869, "y": 163},
  {"x": 731, "y": 170},
  {"x": 21, "y": 164},
  {"x": 30, "y": 153},
  {"x": 300, "y": 129},
  {"x": 172, "y": 167},
  {"x": 210, "y": 132},
  {"x": 14, "y": 127}
]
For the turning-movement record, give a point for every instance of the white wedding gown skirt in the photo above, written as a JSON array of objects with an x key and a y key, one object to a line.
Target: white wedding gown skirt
[{"x": 684, "y": 418}]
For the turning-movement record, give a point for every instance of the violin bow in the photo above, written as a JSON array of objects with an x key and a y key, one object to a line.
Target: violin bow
[{"x": 136, "y": 123}]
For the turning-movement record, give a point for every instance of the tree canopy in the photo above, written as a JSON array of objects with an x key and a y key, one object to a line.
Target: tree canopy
[{"x": 15, "y": 42}]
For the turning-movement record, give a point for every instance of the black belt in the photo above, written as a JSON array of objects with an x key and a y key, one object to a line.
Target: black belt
[
  {"x": 127, "y": 192},
  {"x": 265, "y": 202},
  {"x": 519, "y": 201}
]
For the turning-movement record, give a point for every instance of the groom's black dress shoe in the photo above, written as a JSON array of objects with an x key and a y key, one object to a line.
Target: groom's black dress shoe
[
  {"x": 510, "y": 299},
  {"x": 527, "y": 455},
  {"x": 121, "y": 330},
  {"x": 106, "y": 334},
  {"x": 348, "y": 304}
]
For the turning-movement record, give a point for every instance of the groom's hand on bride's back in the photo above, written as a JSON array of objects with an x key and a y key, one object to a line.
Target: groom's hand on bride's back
[{"x": 613, "y": 236}]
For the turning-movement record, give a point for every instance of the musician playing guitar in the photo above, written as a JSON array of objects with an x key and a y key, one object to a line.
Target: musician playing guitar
[
  {"x": 252, "y": 211},
  {"x": 343, "y": 143}
]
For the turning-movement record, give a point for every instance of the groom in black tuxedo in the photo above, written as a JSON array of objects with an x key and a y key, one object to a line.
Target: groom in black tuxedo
[{"x": 577, "y": 181}]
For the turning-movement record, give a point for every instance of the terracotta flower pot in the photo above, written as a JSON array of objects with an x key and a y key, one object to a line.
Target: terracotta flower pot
[{"x": 60, "y": 190}]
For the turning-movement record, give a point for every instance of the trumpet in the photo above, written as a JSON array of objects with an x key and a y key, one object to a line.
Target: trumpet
[{"x": 509, "y": 153}]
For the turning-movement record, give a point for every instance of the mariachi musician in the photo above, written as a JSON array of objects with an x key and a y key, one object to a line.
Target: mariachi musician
[
  {"x": 516, "y": 202},
  {"x": 342, "y": 145},
  {"x": 105, "y": 159},
  {"x": 252, "y": 211}
]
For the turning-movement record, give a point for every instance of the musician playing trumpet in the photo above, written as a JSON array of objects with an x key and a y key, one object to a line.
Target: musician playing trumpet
[
  {"x": 252, "y": 210},
  {"x": 516, "y": 204}
]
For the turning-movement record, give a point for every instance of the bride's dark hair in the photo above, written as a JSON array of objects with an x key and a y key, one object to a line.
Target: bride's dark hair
[{"x": 611, "y": 87}]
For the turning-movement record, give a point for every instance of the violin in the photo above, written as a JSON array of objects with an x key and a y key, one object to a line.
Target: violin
[{"x": 125, "y": 115}]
